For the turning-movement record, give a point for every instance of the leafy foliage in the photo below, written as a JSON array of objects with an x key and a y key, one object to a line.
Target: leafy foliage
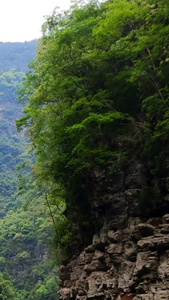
[
  {"x": 97, "y": 96},
  {"x": 24, "y": 255},
  {"x": 25, "y": 234}
]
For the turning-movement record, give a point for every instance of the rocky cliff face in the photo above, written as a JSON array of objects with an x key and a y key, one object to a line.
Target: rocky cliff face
[
  {"x": 129, "y": 255},
  {"x": 129, "y": 263}
]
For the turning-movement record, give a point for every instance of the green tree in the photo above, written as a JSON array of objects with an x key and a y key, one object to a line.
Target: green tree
[
  {"x": 97, "y": 97},
  {"x": 7, "y": 290}
]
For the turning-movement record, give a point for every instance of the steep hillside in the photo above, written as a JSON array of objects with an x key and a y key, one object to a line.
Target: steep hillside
[{"x": 26, "y": 268}]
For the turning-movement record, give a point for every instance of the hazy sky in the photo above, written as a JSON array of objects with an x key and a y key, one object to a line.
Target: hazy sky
[{"x": 21, "y": 20}]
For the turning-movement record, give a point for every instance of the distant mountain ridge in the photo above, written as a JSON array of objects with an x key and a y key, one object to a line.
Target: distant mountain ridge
[{"x": 16, "y": 55}]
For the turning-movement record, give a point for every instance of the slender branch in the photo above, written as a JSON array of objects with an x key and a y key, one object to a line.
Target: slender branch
[
  {"x": 59, "y": 210},
  {"x": 156, "y": 84},
  {"x": 51, "y": 214}
]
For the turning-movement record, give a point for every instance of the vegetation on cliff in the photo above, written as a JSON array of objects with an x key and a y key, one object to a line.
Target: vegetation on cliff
[{"x": 95, "y": 97}]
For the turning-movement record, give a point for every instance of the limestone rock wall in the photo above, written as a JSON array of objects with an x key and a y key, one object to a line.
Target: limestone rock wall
[
  {"x": 128, "y": 257},
  {"x": 121, "y": 264}
]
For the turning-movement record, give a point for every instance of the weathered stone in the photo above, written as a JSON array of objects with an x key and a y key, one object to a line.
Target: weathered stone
[
  {"x": 115, "y": 249},
  {"x": 98, "y": 255},
  {"x": 146, "y": 229},
  {"x": 111, "y": 283},
  {"x": 125, "y": 275},
  {"x": 90, "y": 248},
  {"x": 159, "y": 241},
  {"x": 96, "y": 240},
  {"x": 64, "y": 293},
  {"x": 81, "y": 292},
  {"x": 110, "y": 234},
  {"x": 166, "y": 218},
  {"x": 135, "y": 258},
  {"x": 64, "y": 273},
  {"x": 108, "y": 261},
  {"x": 136, "y": 234},
  {"x": 163, "y": 267},
  {"x": 95, "y": 284},
  {"x": 147, "y": 296},
  {"x": 81, "y": 260},
  {"x": 89, "y": 257},
  {"x": 130, "y": 250},
  {"x": 155, "y": 222},
  {"x": 96, "y": 265},
  {"x": 115, "y": 236},
  {"x": 77, "y": 274},
  {"x": 146, "y": 262},
  {"x": 161, "y": 295},
  {"x": 164, "y": 228}
]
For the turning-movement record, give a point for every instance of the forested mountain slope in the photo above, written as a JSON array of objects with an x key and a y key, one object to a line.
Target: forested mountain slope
[
  {"x": 16, "y": 55},
  {"x": 25, "y": 232},
  {"x": 97, "y": 116}
]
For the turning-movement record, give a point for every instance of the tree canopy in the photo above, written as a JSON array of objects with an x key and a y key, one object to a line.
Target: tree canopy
[{"x": 96, "y": 95}]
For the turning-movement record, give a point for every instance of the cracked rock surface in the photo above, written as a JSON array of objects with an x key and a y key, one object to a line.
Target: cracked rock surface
[{"x": 121, "y": 264}]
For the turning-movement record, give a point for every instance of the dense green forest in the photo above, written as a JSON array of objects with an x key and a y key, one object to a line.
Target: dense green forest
[
  {"x": 26, "y": 268},
  {"x": 16, "y": 55},
  {"x": 97, "y": 96}
]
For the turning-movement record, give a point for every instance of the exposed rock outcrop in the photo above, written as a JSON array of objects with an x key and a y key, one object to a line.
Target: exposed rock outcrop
[
  {"x": 122, "y": 264},
  {"x": 129, "y": 254}
]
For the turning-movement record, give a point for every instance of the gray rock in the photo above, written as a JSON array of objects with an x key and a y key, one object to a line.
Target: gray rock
[
  {"x": 133, "y": 258},
  {"x": 96, "y": 265}
]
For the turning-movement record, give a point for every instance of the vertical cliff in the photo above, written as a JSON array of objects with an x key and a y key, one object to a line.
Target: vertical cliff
[{"x": 129, "y": 254}]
